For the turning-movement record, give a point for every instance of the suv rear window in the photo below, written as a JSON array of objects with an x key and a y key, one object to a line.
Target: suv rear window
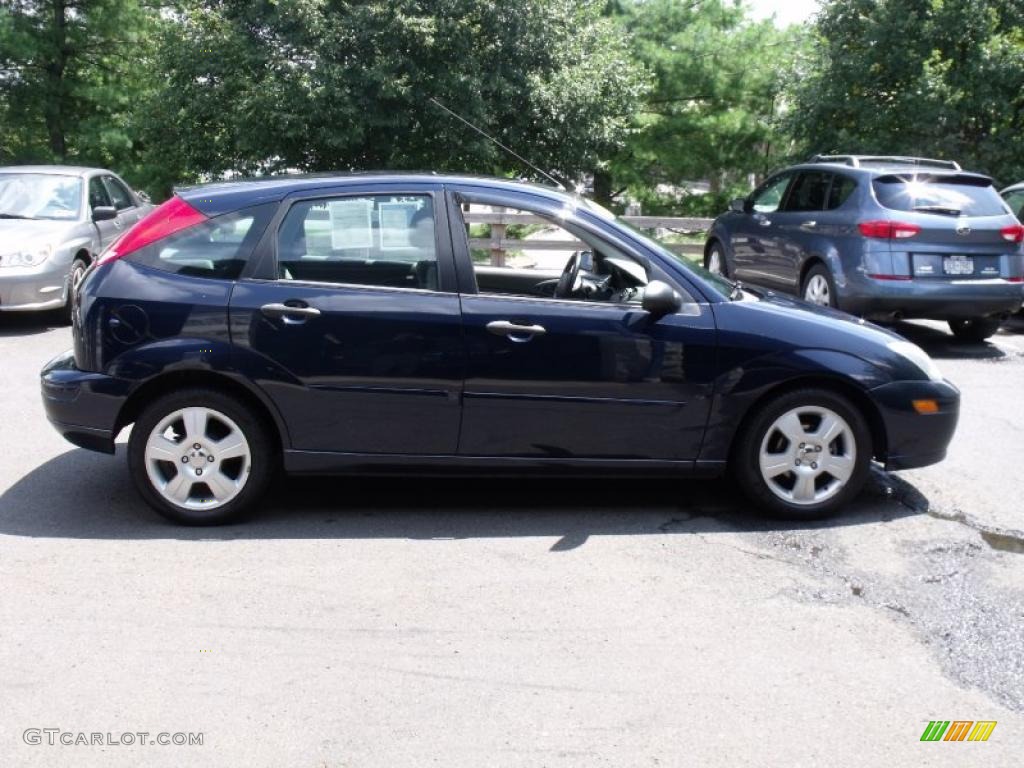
[
  {"x": 217, "y": 248},
  {"x": 939, "y": 193}
]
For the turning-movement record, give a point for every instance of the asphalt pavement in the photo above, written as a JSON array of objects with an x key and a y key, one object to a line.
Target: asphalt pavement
[{"x": 509, "y": 623}]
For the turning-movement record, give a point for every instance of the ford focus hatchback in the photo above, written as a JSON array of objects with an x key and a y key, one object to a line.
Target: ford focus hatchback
[
  {"x": 880, "y": 237},
  {"x": 359, "y": 324}
]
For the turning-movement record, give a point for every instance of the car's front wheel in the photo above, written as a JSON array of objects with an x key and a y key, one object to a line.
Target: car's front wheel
[
  {"x": 975, "y": 329},
  {"x": 75, "y": 275},
  {"x": 199, "y": 457},
  {"x": 714, "y": 260},
  {"x": 803, "y": 455}
]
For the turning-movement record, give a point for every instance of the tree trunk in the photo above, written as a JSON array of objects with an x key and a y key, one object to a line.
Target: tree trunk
[
  {"x": 54, "y": 109},
  {"x": 603, "y": 188}
]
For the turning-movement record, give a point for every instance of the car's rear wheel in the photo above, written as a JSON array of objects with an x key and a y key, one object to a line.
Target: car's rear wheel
[
  {"x": 975, "y": 328},
  {"x": 819, "y": 287},
  {"x": 199, "y": 457},
  {"x": 803, "y": 455},
  {"x": 714, "y": 260}
]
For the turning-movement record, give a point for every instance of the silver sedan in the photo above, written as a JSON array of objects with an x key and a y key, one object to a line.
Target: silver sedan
[{"x": 54, "y": 220}]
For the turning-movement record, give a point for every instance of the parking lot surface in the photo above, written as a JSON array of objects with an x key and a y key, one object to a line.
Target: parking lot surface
[{"x": 559, "y": 623}]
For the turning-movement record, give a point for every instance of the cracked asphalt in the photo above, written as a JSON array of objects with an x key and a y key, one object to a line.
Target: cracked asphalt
[{"x": 467, "y": 623}]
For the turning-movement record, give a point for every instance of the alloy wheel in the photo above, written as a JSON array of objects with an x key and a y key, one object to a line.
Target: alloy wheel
[
  {"x": 817, "y": 291},
  {"x": 808, "y": 455},
  {"x": 197, "y": 458}
]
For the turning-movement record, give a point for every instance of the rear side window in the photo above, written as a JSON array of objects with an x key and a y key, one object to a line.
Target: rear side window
[
  {"x": 947, "y": 194},
  {"x": 380, "y": 240},
  {"x": 217, "y": 248},
  {"x": 840, "y": 191},
  {"x": 809, "y": 192}
]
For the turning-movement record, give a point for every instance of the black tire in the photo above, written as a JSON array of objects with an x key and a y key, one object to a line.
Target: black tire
[
  {"x": 716, "y": 246},
  {"x": 823, "y": 271},
  {"x": 975, "y": 329},
  {"x": 744, "y": 464},
  {"x": 78, "y": 267},
  {"x": 263, "y": 456}
]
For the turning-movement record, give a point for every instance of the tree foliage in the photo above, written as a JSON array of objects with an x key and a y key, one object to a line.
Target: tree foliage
[
  {"x": 308, "y": 85},
  {"x": 941, "y": 78}
]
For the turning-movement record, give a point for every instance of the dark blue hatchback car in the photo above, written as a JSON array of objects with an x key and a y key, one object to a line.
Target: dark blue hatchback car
[{"x": 350, "y": 324}]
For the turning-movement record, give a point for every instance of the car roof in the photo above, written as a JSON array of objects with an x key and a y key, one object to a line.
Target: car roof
[
  {"x": 221, "y": 196},
  {"x": 1013, "y": 188},
  {"x": 62, "y": 170},
  {"x": 885, "y": 169}
]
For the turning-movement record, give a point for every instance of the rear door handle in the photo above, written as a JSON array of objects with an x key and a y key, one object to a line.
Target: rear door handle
[
  {"x": 764, "y": 221},
  {"x": 809, "y": 224},
  {"x": 512, "y": 330},
  {"x": 290, "y": 314}
]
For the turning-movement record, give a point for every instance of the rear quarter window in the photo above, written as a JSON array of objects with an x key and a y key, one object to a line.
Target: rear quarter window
[
  {"x": 943, "y": 194},
  {"x": 216, "y": 248}
]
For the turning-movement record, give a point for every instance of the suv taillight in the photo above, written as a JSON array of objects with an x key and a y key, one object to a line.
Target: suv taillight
[
  {"x": 888, "y": 229},
  {"x": 1013, "y": 233},
  {"x": 166, "y": 219}
]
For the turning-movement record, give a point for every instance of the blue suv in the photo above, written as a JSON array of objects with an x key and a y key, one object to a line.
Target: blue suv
[
  {"x": 355, "y": 324},
  {"x": 882, "y": 237}
]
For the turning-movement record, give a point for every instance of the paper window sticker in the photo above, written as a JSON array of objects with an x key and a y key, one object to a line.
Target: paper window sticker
[
  {"x": 396, "y": 225},
  {"x": 351, "y": 224}
]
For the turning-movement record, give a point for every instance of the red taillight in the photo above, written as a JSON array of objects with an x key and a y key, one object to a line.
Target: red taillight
[
  {"x": 1013, "y": 233},
  {"x": 166, "y": 219},
  {"x": 891, "y": 277},
  {"x": 888, "y": 229},
  {"x": 1015, "y": 279}
]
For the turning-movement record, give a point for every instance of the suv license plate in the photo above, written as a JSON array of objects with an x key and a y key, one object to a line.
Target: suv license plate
[{"x": 958, "y": 265}]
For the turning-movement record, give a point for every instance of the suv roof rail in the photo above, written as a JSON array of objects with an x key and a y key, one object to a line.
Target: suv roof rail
[{"x": 857, "y": 160}]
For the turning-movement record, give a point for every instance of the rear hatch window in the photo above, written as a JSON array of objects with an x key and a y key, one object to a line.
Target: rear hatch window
[{"x": 943, "y": 194}]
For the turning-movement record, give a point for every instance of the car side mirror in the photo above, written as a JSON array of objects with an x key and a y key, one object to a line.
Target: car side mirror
[
  {"x": 104, "y": 212},
  {"x": 739, "y": 205},
  {"x": 660, "y": 299}
]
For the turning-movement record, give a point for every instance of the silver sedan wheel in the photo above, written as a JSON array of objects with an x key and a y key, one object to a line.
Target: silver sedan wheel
[
  {"x": 808, "y": 455},
  {"x": 817, "y": 291},
  {"x": 197, "y": 458},
  {"x": 715, "y": 261}
]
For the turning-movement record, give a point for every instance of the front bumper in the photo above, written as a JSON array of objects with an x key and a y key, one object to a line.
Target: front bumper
[
  {"x": 914, "y": 439},
  {"x": 82, "y": 406},
  {"x": 25, "y": 289},
  {"x": 931, "y": 298}
]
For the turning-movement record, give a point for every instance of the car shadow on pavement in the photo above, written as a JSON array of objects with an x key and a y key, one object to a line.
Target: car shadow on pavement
[
  {"x": 85, "y": 495},
  {"x": 31, "y": 323},
  {"x": 943, "y": 345}
]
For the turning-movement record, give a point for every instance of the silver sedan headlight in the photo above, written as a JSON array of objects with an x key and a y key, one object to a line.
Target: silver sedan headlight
[
  {"x": 918, "y": 357},
  {"x": 30, "y": 257}
]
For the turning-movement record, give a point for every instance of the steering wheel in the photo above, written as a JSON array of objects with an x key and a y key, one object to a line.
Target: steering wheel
[{"x": 567, "y": 281}]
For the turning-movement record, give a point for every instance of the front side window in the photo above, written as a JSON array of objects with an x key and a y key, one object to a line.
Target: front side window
[
  {"x": 98, "y": 196},
  {"x": 39, "y": 196},
  {"x": 809, "y": 192},
  {"x": 769, "y": 197},
  {"x": 217, "y": 248},
  {"x": 386, "y": 241},
  {"x": 517, "y": 252},
  {"x": 118, "y": 194},
  {"x": 947, "y": 194}
]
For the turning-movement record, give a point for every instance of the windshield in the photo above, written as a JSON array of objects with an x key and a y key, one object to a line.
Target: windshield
[
  {"x": 725, "y": 287},
  {"x": 40, "y": 196},
  {"x": 939, "y": 193}
]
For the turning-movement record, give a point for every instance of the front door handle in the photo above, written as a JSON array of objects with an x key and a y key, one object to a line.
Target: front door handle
[
  {"x": 514, "y": 330},
  {"x": 289, "y": 313},
  {"x": 763, "y": 221},
  {"x": 809, "y": 224}
]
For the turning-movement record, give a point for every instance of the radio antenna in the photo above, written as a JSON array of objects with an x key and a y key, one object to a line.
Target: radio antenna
[{"x": 511, "y": 151}]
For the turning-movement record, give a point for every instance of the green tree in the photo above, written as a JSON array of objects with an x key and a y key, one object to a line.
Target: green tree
[
  {"x": 264, "y": 86},
  {"x": 941, "y": 78},
  {"x": 714, "y": 111},
  {"x": 71, "y": 73}
]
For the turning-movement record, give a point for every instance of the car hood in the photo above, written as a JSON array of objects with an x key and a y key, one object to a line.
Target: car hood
[
  {"x": 21, "y": 233},
  {"x": 829, "y": 327}
]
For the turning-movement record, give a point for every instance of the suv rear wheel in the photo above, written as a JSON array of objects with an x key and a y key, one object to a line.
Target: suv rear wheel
[
  {"x": 818, "y": 287},
  {"x": 804, "y": 455},
  {"x": 199, "y": 457},
  {"x": 975, "y": 328}
]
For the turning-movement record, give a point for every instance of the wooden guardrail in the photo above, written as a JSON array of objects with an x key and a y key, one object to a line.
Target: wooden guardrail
[{"x": 499, "y": 243}]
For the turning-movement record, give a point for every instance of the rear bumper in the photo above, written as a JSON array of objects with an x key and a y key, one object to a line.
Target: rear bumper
[
  {"x": 914, "y": 439},
  {"x": 931, "y": 298},
  {"x": 82, "y": 406}
]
